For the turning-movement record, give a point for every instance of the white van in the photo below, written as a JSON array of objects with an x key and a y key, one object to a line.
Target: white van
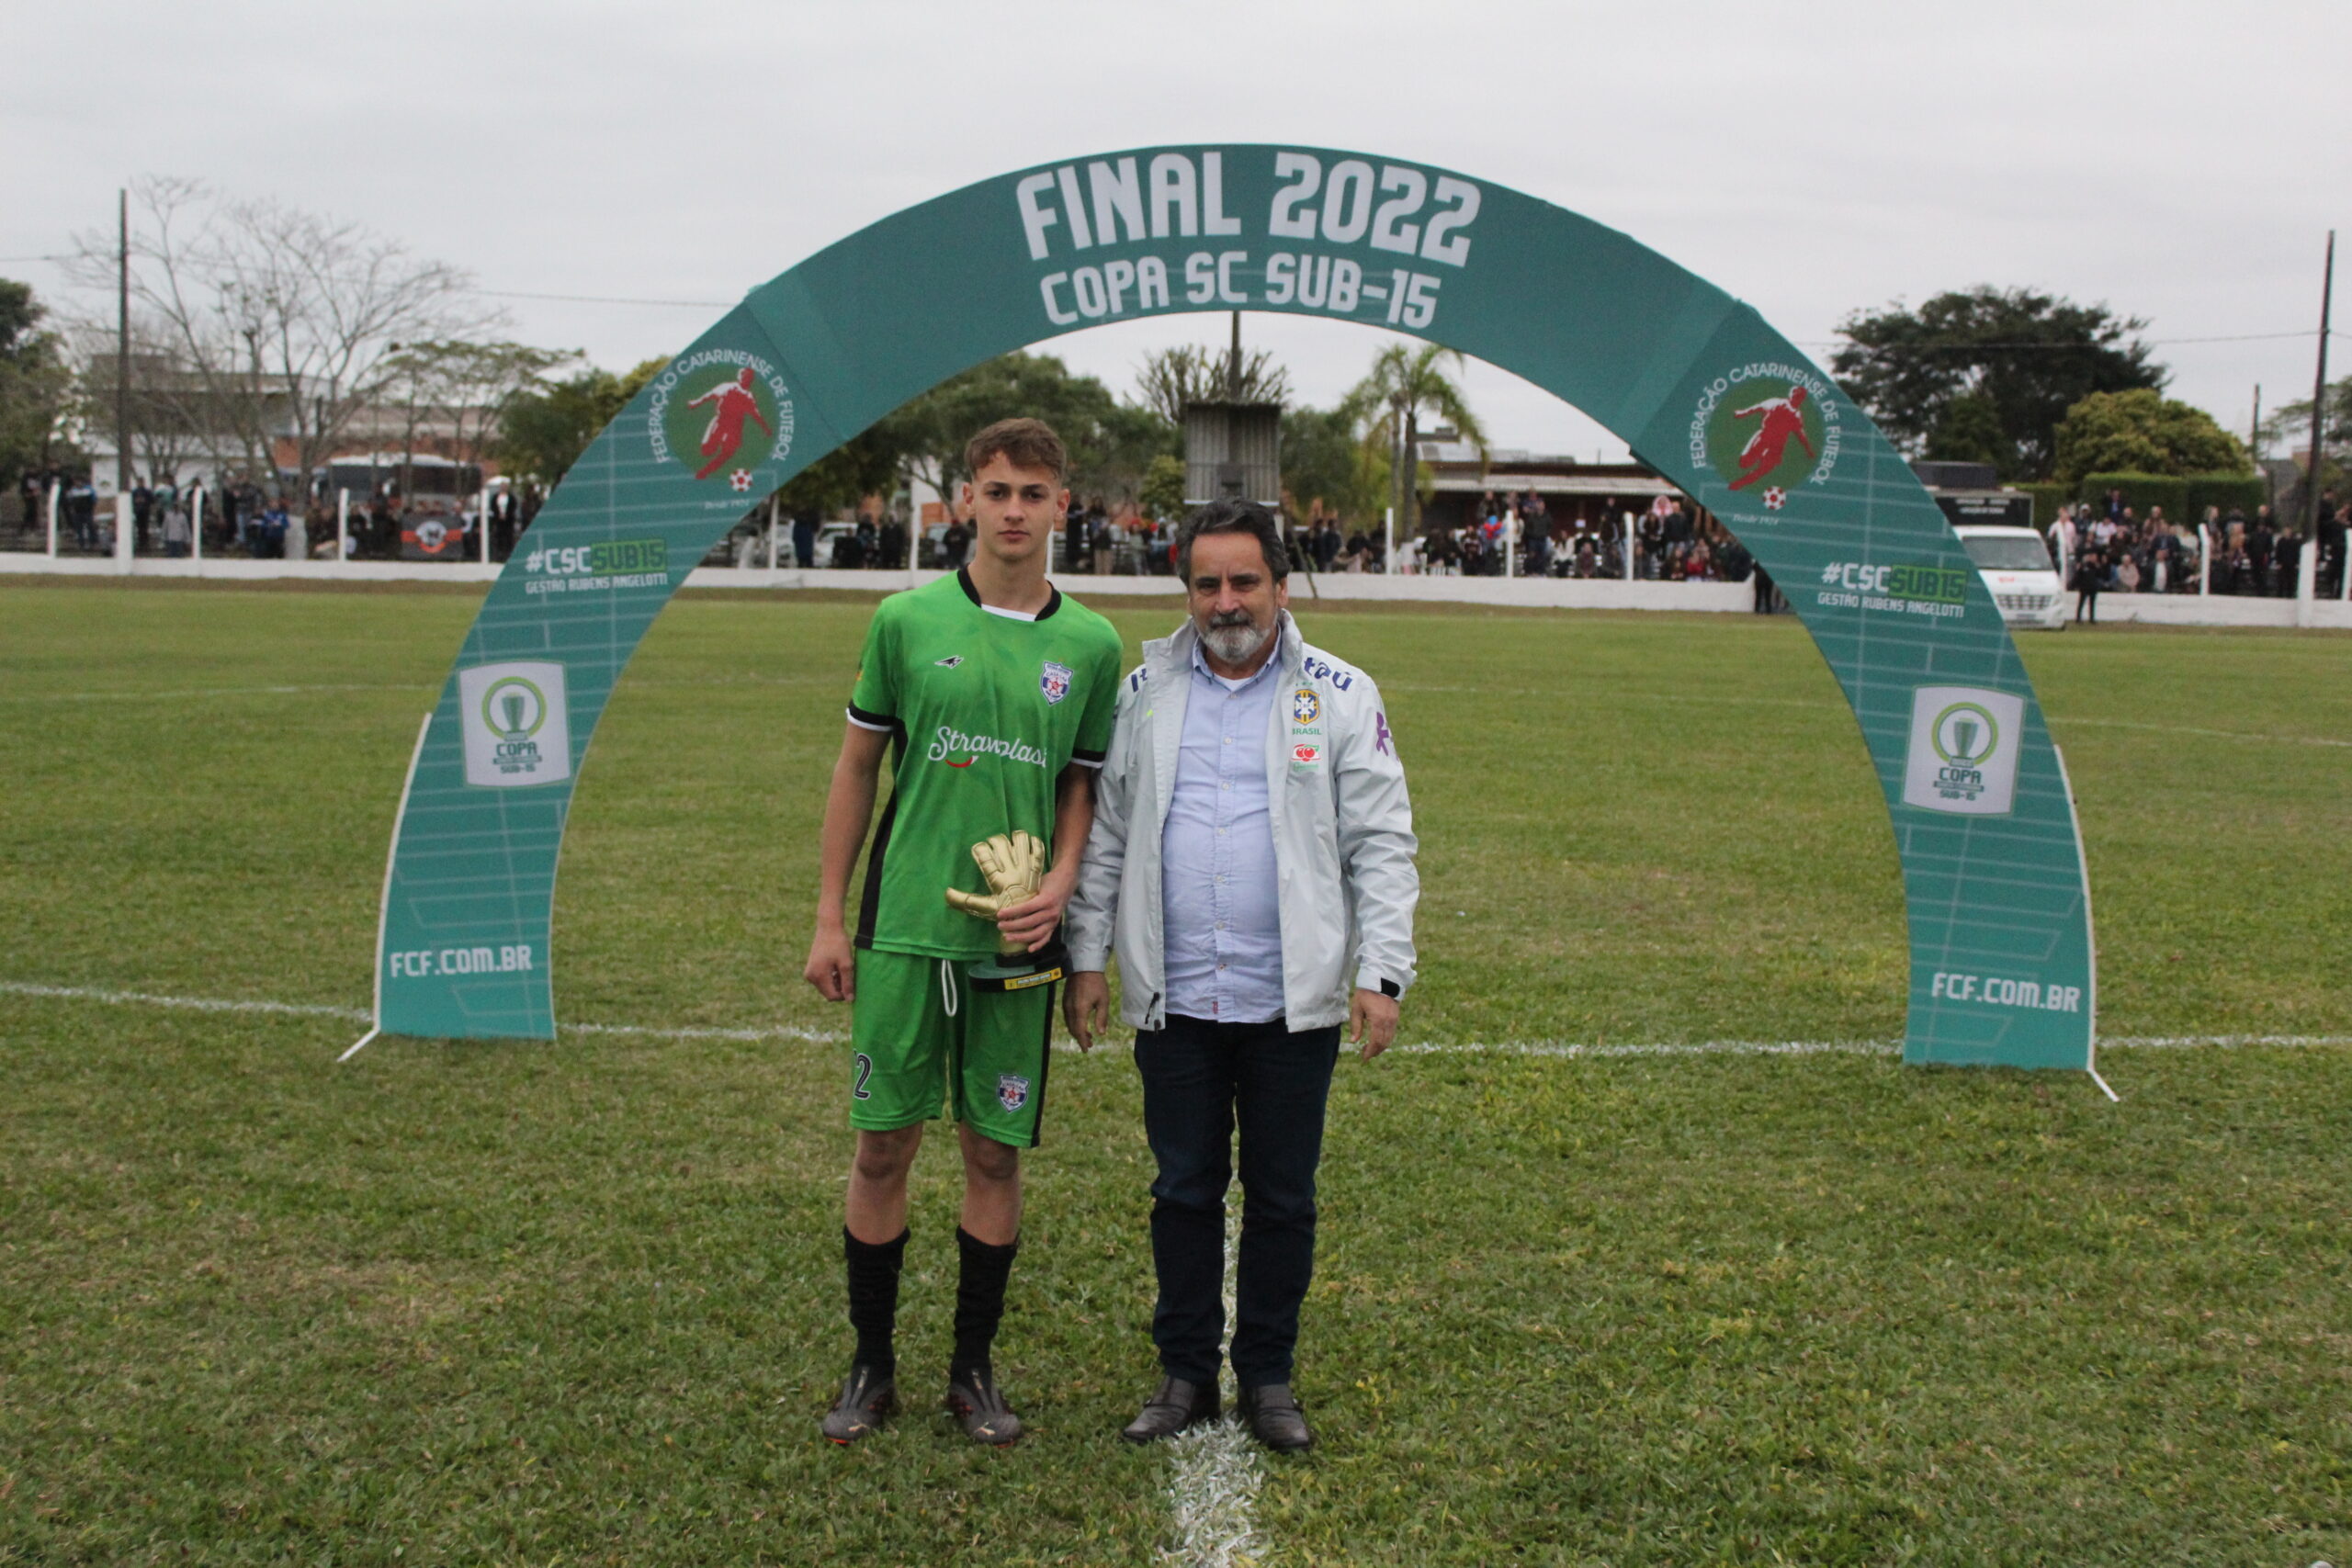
[{"x": 2017, "y": 572}]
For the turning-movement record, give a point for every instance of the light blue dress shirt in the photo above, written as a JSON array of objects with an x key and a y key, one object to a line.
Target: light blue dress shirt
[{"x": 1218, "y": 898}]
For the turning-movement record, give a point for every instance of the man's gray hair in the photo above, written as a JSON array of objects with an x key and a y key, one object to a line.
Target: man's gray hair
[{"x": 1234, "y": 517}]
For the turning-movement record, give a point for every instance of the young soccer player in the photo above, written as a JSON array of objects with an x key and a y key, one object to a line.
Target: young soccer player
[{"x": 995, "y": 696}]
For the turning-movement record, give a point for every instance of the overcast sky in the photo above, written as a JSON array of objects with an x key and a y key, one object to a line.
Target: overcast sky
[{"x": 2180, "y": 161}]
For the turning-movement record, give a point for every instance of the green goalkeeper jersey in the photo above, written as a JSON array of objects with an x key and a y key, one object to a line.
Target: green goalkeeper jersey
[{"x": 985, "y": 708}]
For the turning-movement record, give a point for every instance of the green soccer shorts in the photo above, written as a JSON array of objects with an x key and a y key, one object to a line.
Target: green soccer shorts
[{"x": 985, "y": 1060}]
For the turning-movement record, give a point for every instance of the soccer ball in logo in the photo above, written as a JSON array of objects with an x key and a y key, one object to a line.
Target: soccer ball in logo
[{"x": 1053, "y": 680}]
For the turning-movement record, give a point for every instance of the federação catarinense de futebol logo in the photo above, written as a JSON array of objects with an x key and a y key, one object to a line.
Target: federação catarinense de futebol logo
[
  {"x": 720, "y": 410},
  {"x": 1766, "y": 429}
]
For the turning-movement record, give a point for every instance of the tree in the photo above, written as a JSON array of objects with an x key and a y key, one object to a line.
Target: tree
[
  {"x": 1161, "y": 494},
  {"x": 1928, "y": 375},
  {"x": 1969, "y": 431},
  {"x": 467, "y": 389},
  {"x": 286, "y": 321},
  {"x": 1175, "y": 377},
  {"x": 2288, "y": 430},
  {"x": 35, "y": 385},
  {"x": 170, "y": 418},
  {"x": 546, "y": 427},
  {"x": 1111, "y": 443},
  {"x": 1405, "y": 382},
  {"x": 864, "y": 465},
  {"x": 1326, "y": 459},
  {"x": 2142, "y": 432}
]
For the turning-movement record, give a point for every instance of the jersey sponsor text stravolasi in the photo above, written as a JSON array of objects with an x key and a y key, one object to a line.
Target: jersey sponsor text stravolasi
[{"x": 980, "y": 738}]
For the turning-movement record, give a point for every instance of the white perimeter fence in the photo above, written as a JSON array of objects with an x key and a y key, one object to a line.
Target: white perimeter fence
[{"x": 2305, "y": 609}]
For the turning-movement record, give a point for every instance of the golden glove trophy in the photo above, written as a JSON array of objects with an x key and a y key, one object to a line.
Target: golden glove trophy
[{"x": 1014, "y": 867}]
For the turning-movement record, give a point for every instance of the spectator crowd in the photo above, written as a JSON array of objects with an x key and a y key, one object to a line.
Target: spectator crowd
[
  {"x": 238, "y": 517},
  {"x": 2107, "y": 546}
]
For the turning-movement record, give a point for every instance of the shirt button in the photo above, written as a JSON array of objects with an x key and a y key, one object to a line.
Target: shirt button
[
  {"x": 1229, "y": 741},
  {"x": 1220, "y": 925},
  {"x": 1220, "y": 877}
]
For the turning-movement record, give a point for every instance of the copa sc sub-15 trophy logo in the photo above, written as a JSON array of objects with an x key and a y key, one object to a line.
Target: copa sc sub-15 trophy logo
[
  {"x": 1766, "y": 428},
  {"x": 1964, "y": 748},
  {"x": 720, "y": 411},
  {"x": 517, "y": 726}
]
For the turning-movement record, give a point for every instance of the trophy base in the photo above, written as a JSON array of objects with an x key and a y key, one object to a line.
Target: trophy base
[{"x": 1019, "y": 971}]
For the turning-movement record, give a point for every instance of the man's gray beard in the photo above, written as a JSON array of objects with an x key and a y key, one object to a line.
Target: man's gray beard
[{"x": 1237, "y": 645}]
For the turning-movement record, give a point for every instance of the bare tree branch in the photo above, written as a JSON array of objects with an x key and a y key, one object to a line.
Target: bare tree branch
[{"x": 286, "y": 322}]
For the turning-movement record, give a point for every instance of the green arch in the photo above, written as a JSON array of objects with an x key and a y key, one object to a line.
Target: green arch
[{"x": 1993, "y": 871}]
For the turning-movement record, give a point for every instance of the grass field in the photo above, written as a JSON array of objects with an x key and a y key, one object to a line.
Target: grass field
[{"x": 581, "y": 1303}]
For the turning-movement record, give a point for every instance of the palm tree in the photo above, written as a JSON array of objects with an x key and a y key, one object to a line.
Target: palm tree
[{"x": 1406, "y": 381}]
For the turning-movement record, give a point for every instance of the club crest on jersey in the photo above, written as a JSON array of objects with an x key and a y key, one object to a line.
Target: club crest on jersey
[
  {"x": 1053, "y": 680},
  {"x": 1011, "y": 1092},
  {"x": 1304, "y": 706}
]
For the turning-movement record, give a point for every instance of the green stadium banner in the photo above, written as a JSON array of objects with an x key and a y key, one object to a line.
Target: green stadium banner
[{"x": 1694, "y": 382}]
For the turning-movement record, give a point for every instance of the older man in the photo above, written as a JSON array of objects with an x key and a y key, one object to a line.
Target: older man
[{"x": 1251, "y": 860}]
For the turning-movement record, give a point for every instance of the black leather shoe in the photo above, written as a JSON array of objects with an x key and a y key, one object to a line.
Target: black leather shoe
[
  {"x": 1275, "y": 1418},
  {"x": 1175, "y": 1406}
]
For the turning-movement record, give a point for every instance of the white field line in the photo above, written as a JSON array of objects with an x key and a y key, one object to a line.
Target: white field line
[
  {"x": 2209, "y": 734},
  {"x": 2057, "y": 719},
  {"x": 1568, "y": 1049},
  {"x": 1213, "y": 1487},
  {"x": 143, "y": 696},
  {"x": 189, "y": 1004},
  {"x": 146, "y": 696}
]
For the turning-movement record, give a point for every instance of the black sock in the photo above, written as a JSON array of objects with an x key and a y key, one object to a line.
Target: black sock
[
  {"x": 874, "y": 1298},
  {"x": 979, "y": 1299}
]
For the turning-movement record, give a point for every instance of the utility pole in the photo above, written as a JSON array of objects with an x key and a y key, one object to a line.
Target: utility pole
[
  {"x": 1233, "y": 364},
  {"x": 122, "y": 348},
  {"x": 2254, "y": 436},
  {"x": 2319, "y": 398}
]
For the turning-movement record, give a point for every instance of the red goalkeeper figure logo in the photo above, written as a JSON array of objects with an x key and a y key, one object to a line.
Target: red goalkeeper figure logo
[
  {"x": 732, "y": 403},
  {"x": 1778, "y": 421}
]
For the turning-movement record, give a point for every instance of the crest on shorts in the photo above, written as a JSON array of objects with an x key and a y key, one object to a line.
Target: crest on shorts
[
  {"x": 1011, "y": 1092},
  {"x": 1053, "y": 680}
]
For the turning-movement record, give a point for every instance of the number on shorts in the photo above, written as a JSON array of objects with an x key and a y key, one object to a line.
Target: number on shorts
[{"x": 865, "y": 1071}]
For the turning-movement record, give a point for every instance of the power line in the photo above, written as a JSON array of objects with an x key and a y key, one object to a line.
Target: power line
[
  {"x": 2064, "y": 347},
  {"x": 611, "y": 299},
  {"x": 1801, "y": 342},
  {"x": 216, "y": 270}
]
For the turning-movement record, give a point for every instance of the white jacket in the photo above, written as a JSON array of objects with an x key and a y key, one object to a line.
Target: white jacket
[{"x": 1342, "y": 832}]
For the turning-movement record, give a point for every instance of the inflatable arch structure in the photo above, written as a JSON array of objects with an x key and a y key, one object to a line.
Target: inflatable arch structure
[{"x": 1692, "y": 381}]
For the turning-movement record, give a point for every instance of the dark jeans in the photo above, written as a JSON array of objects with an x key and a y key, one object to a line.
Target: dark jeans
[{"x": 1199, "y": 1078}]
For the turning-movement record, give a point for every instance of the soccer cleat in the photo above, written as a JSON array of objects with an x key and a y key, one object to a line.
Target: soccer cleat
[
  {"x": 1275, "y": 1418},
  {"x": 972, "y": 1395},
  {"x": 1174, "y": 1407},
  {"x": 868, "y": 1398}
]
